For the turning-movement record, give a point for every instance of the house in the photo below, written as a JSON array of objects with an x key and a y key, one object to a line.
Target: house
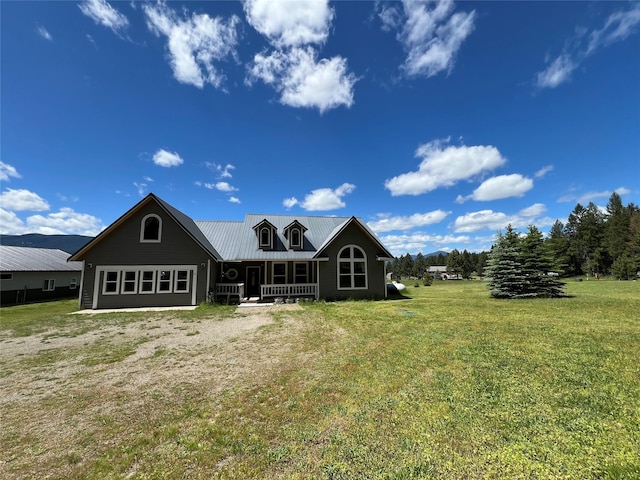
[
  {"x": 30, "y": 274},
  {"x": 438, "y": 271},
  {"x": 155, "y": 255}
]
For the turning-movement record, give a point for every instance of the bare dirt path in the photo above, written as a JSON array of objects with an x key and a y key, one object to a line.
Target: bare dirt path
[{"x": 58, "y": 392}]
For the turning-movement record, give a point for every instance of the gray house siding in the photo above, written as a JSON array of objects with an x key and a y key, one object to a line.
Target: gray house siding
[
  {"x": 121, "y": 250},
  {"x": 328, "y": 270},
  {"x": 26, "y": 287}
]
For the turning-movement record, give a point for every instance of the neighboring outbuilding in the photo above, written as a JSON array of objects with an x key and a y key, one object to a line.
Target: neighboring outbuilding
[
  {"x": 155, "y": 255},
  {"x": 35, "y": 274}
]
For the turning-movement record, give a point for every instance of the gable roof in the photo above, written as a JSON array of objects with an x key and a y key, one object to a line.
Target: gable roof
[
  {"x": 31, "y": 259},
  {"x": 187, "y": 224},
  {"x": 364, "y": 227}
]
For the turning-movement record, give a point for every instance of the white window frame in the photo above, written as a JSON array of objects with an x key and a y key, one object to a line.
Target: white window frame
[
  {"x": 160, "y": 280},
  {"x": 73, "y": 284},
  {"x": 49, "y": 285},
  {"x": 177, "y": 279},
  {"x": 269, "y": 237},
  {"x": 273, "y": 273},
  {"x": 123, "y": 276},
  {"x": 351, "y": 261},
  {"x": 292, "y": 232},
  {"x": 115, "y": 282},
  {"x": 141, "y": 290},
  {"x": 6, "y": 276},
  {"x": 143, "y": 224},
  {"x": 296, "y": 274}
]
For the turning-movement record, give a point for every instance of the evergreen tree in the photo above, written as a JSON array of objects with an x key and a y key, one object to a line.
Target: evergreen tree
[
  {"x": 455, "y": 263},
  {"x": 467, "y": 265},
  {"x": 504, "y": 270},
  {"x": 419, "y": 266},
  {"x": 558, "y": 247},
  {"x": 538, "y": 263}
]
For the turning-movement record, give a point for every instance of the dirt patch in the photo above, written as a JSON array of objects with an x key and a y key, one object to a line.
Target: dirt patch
[{"x": 65, "y": 397}]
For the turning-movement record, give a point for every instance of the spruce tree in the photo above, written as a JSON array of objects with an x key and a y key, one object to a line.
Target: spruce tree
[{"x": 504, "y": 269}]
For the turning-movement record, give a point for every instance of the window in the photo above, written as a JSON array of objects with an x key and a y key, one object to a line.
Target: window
[
  {"x": 130, "y": 282},
  {"x": 111, "y": 282},
  {"x": 151, "y": 229},
  {"x": 301, "y": 273},
  {"x": 148, "y": 281},
  {"x": 6, "y": 276},
  {"x": 164, "y": 281},
  {"x": 352, "y": 268},
  {"x": 279, "y": 273},
  {"x": 182, "y": 281},
  {"x": 296, "y": 238},
  {"x": 49, "y": 285},
  {"x": 73, "y": 284},
  {"x": 265, "y": 237}
]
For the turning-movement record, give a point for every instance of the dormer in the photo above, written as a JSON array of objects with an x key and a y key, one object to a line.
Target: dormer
[
  {"x": 294, "y": 232},
  {"x": 266, "y": 233}
]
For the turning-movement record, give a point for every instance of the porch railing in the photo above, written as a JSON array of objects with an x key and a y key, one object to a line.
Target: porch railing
[
  {"x": 229, "y": 290},
  {"x": 289, "y": 290}
]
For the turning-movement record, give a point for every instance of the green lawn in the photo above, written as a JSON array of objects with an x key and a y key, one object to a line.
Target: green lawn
[{"x": 447, "y": 383}]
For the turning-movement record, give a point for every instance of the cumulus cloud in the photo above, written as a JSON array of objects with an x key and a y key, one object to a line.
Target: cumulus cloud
[
  {"x": 388, "y": 223},
  {"x": 166, "y": 159},
  {"x": 322, "y": 198},
  {"x": 22, "y": 200},
  {"x": 617, "y": 27},
  {"x": 44, "y": 33},
  {"x": 304, "y": 81},
  {"x": 7, "y": 171},
  {"x": 431, "y": 33},
  {"x": 489, "y": 220},
  {"x": 233, "y": 199},
  {"x": 443, "y": 166},
  {"x": 288, "y": 23},
  {"x": 65, "y": 222},
  {"x": 501, "y": 186},
  {"x": 194, "y": 43},
  {"x": 221, "y": 187},
  {"x": 104, "y": 14},
  {"x": 422, "y": 242},
  {"x": 293, "y": 68},
  {"x": 585, "y": 198}
]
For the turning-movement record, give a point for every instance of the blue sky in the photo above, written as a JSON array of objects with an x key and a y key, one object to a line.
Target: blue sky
[{"x": 438, "y": 123}]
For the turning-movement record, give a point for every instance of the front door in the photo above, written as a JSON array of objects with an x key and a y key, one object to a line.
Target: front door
[{"x": 253, "y": 282}]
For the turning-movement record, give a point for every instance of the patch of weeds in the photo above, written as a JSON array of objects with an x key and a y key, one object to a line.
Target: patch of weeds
[
  {"x": 190, "y": 334},
  {"x": 105, "y": 353}
]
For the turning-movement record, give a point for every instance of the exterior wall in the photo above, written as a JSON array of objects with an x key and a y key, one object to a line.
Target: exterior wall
[
  {"x": 27, "y": 287},
  {"x": 122, "y": 249},
  {"x": 328, "y": 270}
]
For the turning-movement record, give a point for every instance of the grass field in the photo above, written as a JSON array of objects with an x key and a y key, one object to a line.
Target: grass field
[{"x": 446, "y": 383}]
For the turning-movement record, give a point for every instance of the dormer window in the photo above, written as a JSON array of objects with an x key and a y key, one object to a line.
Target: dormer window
[
  {"x": 151, "y": 229},
  {"x": 294, "y": 232},
  {"x": 266, "y": 233}
]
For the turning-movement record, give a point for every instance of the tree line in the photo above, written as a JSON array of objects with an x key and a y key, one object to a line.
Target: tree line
[{"x": 592, "y": 242}]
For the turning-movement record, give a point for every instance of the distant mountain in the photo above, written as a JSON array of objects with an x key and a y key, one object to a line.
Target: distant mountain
[
  {"x": 66, "y": 243},
  {"x": 435, "y": 254}
]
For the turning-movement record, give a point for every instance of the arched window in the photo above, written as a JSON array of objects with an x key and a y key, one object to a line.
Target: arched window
[
  {"x": 352, "y": 268},
  {"x": 265, "y": 237},
  {"x": 151, "y": 229}
]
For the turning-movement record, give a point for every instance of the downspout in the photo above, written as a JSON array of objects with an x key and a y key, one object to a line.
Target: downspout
[
  {"x": 81, "y": 285},
  {"x": 208, "y": 279}
]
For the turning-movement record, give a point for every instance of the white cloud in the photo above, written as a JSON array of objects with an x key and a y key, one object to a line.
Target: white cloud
[
  {"x": 289, "y": 23},
  {"x": 388, "y": 223},
  {"x": 65, "y": 222},
  {"x": 543, "y": 171},
  {"x": 432, "y": 34},
  {"x": 490, "y": 220},
  {"x": 223, "y": 172},
  {"x": 587, "y": 197},
  {"x": 290, "y": 202},
  {"x": 323, "y": 198},
  {"x": 422, "y": 242},
  {"x": 617, "y": 27},
  {"x": 557, "y": 73},
  {"x": 304, "y": 81},
  {"x": 194, "y": 43},
  {"x": 7, "y": 171},
  {"x": 20, "y": 200},
  {"x": 44, "y": 33},
  {"x": 445, "y": 166},
  {"x": 104, "y": 14},
  {"x": 166, "y": 159},
  {"x": 10, "y": 224},
  {"x": 233, "y": 199},
  {"x": 501, "y": 186},
  {"x": 141, "y": 187},
  {"x": 221, "y": 187}
]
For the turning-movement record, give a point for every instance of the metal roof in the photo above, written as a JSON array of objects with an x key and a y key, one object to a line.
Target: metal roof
[{"x": 29, "y": 259}]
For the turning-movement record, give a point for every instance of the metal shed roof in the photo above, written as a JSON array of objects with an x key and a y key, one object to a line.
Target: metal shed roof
[{"x": 29, "y": 259}]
